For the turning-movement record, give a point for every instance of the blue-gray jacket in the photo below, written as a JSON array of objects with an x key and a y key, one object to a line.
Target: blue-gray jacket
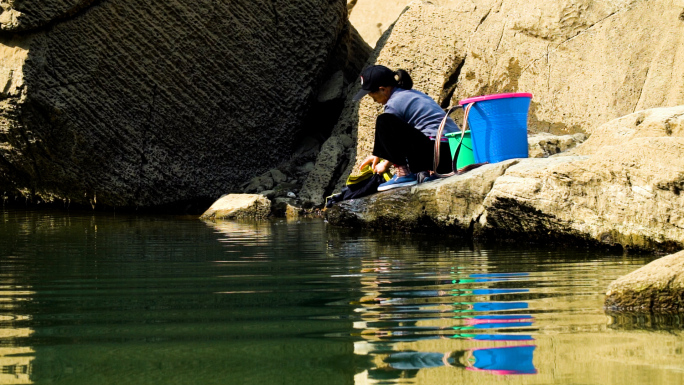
[{"x": 418, "y": 110}]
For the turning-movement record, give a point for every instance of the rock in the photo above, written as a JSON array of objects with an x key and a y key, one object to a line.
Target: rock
[
  {"x": 543, "y": 145},
  {"x": 19, "y": 16},
  {"x": 292, "y": 212},
  {"x": 306, "y": 168},
  {"x": 332, "y": 161},
  {"x": 452, "y": 204},
  {"x": 546, "y": 48},
  {"x": 629, "y": 195},
  {"x": 626, "y": 195},
  {"x": 372, "y": 17},
  {"x": 332, "y": 89},
  {"x": 656, "y": 287},
  {"x": 237, "y": 206},
  {"x": 637, "y": 127},
  {"x": 260, "y": 183},
  {"x": 286, "y": 207},
  {"x": 270, "y": 194},
  {"x": 277, "y": 176},
  {"x": 587, "y": 62},
  {"x": 309, "y": 147},
  {"x": 143, "y": 104},
  {"x": 266, "y": 181},
  {"x": 284, "y": 187}
]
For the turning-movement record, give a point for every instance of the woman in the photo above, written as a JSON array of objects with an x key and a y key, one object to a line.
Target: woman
[{"x": 405, "y": 132}]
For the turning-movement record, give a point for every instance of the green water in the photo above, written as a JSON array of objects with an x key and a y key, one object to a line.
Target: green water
[{"x": 116, "y": 299}]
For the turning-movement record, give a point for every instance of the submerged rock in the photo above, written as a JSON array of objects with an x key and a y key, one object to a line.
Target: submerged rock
[
  {"x": 238, "y": 206},
  {"x": 656, "y": 287}
]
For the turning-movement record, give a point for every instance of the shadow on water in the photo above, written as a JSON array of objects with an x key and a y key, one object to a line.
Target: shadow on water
[{"x": 124, "y": 299}]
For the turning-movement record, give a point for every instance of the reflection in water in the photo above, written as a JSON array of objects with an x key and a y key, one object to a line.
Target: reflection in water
[
  {"x": 113, "y": 299},
  {"x": 409, "y": 309},
  {"x": 504, "y": 360},
  {"x": 15, "y": 360}
]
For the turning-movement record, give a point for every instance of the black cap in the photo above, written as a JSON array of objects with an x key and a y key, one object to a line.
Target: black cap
[{"x": 374, "y": 77}]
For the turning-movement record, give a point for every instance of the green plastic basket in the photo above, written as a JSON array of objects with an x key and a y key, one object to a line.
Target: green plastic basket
[{"x": 465, "y": 156}]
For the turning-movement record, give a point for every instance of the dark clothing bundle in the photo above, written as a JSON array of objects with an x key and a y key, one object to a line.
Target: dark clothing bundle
[
  {"x": 357, "y": 190},
  {"x": 403, "y": 145}
]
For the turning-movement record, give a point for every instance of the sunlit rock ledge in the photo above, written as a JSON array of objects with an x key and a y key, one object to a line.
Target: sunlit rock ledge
[{"x": 621, "y": 188}]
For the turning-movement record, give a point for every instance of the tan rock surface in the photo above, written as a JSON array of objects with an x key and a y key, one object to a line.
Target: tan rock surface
[
  {"x": 587, "y": 62},
  {"x": 454, "y": 204},
  {"x": 128, "y": 103},
  {"x": 237, "y": 206},
  {"x": 627, "y": 195},
  {"x": 656, "y": 287},
  {"x": 543, "y": 145},
  {"x": 372, "y": 17}
]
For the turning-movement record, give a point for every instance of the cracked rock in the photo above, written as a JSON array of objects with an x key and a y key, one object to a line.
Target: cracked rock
[{"x": 154, "y": 102}]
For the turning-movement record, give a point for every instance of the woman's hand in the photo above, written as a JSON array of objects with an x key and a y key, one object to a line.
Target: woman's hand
[
  {"x": 381, "y": 167},
  {"x": 376, "y": 164},
  {"x": 370, "y": 161}
]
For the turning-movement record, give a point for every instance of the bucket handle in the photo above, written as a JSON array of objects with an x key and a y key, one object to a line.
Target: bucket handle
[{"x": 438, "y": 140}]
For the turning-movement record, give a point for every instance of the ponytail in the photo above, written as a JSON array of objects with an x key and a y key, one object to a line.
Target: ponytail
[{"x": 403, "y": 79}]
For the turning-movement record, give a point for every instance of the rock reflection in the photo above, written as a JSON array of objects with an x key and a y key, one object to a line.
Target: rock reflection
[
  {"x": 16, "y": 361},
  {"x": 246, "y": 233}
]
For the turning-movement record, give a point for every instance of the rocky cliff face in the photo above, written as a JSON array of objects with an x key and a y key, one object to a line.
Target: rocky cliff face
[
  {"x": 131, "y": 103},
  {"x": 586, "y": 62}
]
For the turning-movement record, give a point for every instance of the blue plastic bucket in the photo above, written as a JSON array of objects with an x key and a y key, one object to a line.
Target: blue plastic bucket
[{"x": 498, "y": 124}]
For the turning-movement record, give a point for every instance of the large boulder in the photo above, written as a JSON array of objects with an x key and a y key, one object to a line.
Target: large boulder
[
  {"x": 629, "y": 194},
  {"x": 129, "y": 103},
  {"x": 656, "y": 287},
  {"x": 625, "y": 194},
  {"x": 587, "y": 62}
]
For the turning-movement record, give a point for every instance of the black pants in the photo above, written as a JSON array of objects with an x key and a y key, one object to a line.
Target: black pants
[{"x": 404, "y": 145}]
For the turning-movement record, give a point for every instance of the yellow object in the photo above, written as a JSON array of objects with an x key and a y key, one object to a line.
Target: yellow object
[{"x": 365, "y": 173}]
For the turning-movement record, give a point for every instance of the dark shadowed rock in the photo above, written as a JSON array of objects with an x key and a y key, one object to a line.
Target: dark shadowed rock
[{"x": 129, "y": 103}]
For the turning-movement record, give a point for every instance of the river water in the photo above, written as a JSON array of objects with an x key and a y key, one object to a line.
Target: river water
[{"x": 119, "y": 299}]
